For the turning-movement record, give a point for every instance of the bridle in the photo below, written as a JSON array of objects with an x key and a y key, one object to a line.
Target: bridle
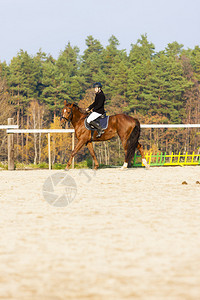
[{"x": 69, "y": 118}]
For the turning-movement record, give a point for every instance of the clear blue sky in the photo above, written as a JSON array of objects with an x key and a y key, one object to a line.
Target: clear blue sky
[{"x": 51, "y": 24}]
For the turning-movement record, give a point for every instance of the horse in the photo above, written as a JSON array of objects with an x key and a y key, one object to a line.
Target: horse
[{"x": 126, "y": 127}]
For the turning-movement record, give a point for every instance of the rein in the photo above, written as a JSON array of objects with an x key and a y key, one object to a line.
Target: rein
[{"x": 70, "y": 117}]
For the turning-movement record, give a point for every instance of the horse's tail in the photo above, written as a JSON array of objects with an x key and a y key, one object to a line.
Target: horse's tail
[{"x": 132, "y": 141}]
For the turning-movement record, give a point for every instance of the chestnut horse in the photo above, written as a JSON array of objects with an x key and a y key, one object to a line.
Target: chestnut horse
[{"x": 127, "y": 128}]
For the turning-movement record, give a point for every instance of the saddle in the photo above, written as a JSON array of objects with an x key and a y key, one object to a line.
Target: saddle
[{"x": 101, "y": 121}]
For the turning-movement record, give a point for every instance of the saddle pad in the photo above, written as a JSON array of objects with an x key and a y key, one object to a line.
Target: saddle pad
[{"x": 103, "y": 123}]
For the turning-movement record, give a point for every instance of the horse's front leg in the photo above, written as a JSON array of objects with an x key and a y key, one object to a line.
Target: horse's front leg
[
  {"x": 79, "y": 145},
  {"x": 91, "y": 149}
]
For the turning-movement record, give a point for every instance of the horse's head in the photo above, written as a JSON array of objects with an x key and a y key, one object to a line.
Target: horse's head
[{"x": 67, "y": 114}]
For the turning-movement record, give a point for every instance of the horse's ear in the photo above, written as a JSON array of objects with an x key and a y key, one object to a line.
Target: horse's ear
[{"x": 65, "y": 103}]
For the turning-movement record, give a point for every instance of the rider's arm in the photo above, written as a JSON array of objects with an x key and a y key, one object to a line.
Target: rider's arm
[{"x": 92, "y": 105}]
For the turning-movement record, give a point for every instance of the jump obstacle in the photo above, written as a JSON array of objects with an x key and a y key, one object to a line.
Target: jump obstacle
[
  {"x": 160, "y": 159},
  {"x": 164, "y": 159}
]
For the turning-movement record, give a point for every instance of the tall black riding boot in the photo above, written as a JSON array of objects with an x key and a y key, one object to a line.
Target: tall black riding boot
[{"x": 98, "y": 127}]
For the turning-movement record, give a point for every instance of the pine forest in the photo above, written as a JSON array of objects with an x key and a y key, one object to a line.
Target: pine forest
[{"x": 155, "y": 87}]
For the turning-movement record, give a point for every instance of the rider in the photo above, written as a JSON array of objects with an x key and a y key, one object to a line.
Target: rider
[{"x": 98, "y": 108}]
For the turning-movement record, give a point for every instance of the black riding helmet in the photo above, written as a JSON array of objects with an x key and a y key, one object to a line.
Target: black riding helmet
[{"x": 97, "y": 84}]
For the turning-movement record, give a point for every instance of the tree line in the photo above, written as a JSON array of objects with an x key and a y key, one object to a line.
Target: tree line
[{"x": 157, "y": 87}]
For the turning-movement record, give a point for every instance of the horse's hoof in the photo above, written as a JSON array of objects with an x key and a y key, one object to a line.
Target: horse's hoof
[
  {"x": 144, "y": 162},
  {"x": 66, "y": 169},
  {"x": 123, "y": 168}
]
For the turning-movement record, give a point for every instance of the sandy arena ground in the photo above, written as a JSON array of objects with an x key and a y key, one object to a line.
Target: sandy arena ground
[{"x": 131, "y": 234}]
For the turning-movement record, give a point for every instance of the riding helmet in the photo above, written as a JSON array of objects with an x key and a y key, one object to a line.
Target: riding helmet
[{"x": 97, "y": 84}]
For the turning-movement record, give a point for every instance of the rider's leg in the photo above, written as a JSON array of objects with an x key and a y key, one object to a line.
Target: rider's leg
[
  {"x": 94, "y": 115},
  {"x": 91, "y": 120}
]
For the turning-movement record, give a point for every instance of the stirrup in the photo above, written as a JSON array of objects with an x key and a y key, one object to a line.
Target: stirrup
[{"x": 99, "y": 133}]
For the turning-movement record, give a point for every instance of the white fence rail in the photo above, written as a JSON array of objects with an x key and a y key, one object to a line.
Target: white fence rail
[
  {"x": 9, "y": 126},
  {"x": 170, "y": 125},
  {"x": 39, "y": 130},
  {"x": 13, "y": 129}
]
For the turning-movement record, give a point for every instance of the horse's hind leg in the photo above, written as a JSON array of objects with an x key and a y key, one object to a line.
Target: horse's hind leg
[
  {"x": 91, "y": 149},
  {"x": 140, "y": 149},
  {"x": 124, "y": 145},
  {"x": 130, "y": 144},
  {"x": 127, "y": 162}
]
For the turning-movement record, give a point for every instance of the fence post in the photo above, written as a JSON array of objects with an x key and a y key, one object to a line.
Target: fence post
[
  {"x": 11, "y": 165},
  {"x": 186, "y": 157},
  {"x": 161, "y": 156},
  {"x": 73, "y": 142},
  {"x": 49, "y": 150},
  {"x": 157, "y": 157},
  {"x": 150, "y": 158},
  {"x": 179, "y": 155},
  {"x": 193, "y": 157}
]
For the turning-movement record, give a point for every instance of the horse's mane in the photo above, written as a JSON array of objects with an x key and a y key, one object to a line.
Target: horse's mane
[{"x": 80, "y": 109}]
